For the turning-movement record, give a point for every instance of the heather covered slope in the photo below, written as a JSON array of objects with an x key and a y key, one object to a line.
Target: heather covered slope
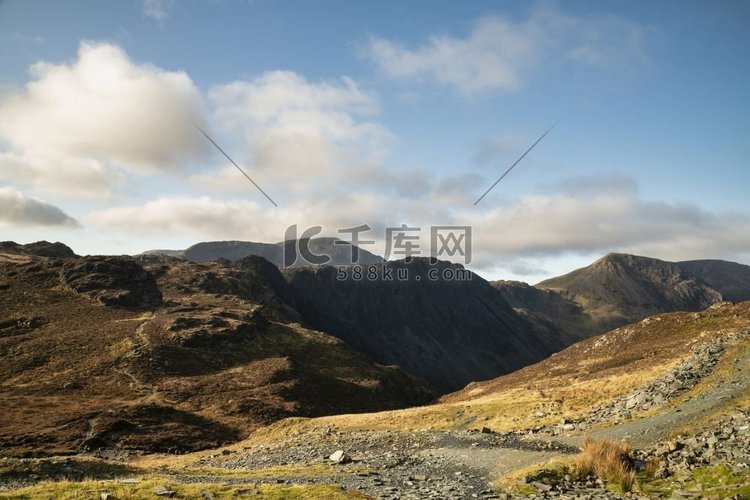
[{"x": 99, "y": 353}]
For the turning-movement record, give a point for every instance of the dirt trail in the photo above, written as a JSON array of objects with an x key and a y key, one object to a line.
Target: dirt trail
[{"x": 151, "y": 392}]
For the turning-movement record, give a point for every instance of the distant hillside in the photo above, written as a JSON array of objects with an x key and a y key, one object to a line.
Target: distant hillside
[
  {"x": 449, "y": 332},
  {"x": 340, "y": 253},
  {"x": 620, "y": 288},
  {"x": 102, "y": 353},
  {"x": 730, "y": 279},
  {"x": 548, "y": 307},
  {"x": 40, "y": 248},
  {"x": 168, "y": 253}
]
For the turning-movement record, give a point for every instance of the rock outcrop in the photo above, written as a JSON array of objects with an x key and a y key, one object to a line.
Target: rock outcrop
[
  {"x": 112, "y": 281},
  {"x": 39, "y": 248}
]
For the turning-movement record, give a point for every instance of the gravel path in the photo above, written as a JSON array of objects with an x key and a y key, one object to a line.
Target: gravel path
[
  {"x": 648, "y": 430},
  {"x": 390, "y": 464}
]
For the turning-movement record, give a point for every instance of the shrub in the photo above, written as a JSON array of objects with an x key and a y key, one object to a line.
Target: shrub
[{"x": 608, "y": 460}]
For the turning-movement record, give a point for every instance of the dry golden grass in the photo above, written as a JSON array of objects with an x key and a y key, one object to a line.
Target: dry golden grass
[
  {"x": 607, "y": 460},
  {"x": 144, "y": 489}
]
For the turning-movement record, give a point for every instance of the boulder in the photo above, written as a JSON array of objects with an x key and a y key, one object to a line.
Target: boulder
[{"x": 339, "y": 457}]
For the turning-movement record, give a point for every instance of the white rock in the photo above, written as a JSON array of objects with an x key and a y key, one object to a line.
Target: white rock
[{"x": 339, "y": 457}]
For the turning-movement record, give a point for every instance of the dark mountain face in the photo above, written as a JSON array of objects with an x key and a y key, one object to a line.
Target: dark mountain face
[
  {"x": 209, "y": 251},
  {"x": 619, "y": 289},
  {"x": 547, "y": 307},
  {"x": 730, "y": 279},
  {"x": 340, "y": 253},
  {"x": 448, "y": 331}
]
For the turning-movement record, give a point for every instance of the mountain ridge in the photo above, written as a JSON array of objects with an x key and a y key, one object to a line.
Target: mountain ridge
[{"x": 338, "y": 250}]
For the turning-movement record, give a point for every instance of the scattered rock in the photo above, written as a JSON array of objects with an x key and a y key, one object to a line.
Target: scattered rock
[
  {"x": 164, "y": 491},
  {"x": 340, "y": 457}
]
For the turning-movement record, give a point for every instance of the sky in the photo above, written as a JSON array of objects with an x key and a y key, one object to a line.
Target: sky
[{"x": 380, "y": 113}]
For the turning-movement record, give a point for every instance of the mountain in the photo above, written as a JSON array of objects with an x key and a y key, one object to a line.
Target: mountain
[
  {"x": 339, "y": 251},
  {"x": 40, "y": 248},
  {"x": 730, "y": 279},
  {"x": 547, "y": 307},
  {"x": 165, "y": 252},
  {"x": 437, "y": 321},
  {"x": 620, "y": 288},
  {"x": 162, "y": 354}
]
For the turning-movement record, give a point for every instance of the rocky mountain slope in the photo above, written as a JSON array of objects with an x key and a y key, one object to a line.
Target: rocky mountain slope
[
  {"x": 165, "y": 355},
  {"x": 548, "y": 307},
  {"x": 619, "y": 289},
  {"x": 449, "y": 331},
  {"x": 340, "y": 253},
  {"x": 730, "y": 279}
]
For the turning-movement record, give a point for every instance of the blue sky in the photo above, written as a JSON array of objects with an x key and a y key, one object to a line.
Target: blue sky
[{"x": 381, "y": 113}]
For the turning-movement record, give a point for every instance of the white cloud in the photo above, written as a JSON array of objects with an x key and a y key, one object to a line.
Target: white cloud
[
  {"x": 494, "y": 55},
  {"x": 21, "y": 211},
  {"x": 76, "y": 177},
  {"x": 520, "y": 237},
  {"x": 299, "y": 133},
  {"x": 85, "y": 119},
  {"x": 564, "y": 223},
  {"x": 499, "y": 53},
  {"x": 212, "y": 218}
]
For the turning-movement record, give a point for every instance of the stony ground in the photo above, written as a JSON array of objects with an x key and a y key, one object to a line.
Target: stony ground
[{"x": 387, "y": 464}]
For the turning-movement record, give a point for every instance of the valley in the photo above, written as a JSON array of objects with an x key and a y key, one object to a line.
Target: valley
[{"x": 158, "y": 376}]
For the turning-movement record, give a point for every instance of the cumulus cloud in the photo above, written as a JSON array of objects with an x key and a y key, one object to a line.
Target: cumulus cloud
[
  {"x": 300, "y": 133},
  {"x": 19, "y": 210},
  {"x": 564, "y": 223},
  {"x": 515, "y": 235},
  {"x": 84, "y": 120},
  {"x": 499, "y": 53},
  {"x": 207, "y": 217}
]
